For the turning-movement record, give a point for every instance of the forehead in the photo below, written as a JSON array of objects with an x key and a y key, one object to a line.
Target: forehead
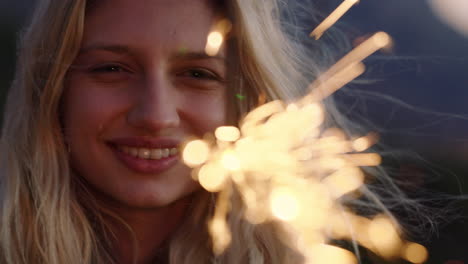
[{"x": 150, "y": 23}]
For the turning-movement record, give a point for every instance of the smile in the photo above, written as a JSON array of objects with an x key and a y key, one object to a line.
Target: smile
[
  {"x": 146, "y": 155},
  {"x": 149, "y": 153},
  {"x": 147, "y": 160}
]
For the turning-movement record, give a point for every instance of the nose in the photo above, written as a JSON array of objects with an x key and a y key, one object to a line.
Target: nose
[{"x": 156, "y": 106}]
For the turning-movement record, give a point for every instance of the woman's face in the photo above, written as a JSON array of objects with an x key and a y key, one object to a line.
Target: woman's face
[{"x": 140, "y": 85}]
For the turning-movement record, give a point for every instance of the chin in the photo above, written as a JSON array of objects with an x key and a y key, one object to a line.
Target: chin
[{"x": 156, "y": 199}]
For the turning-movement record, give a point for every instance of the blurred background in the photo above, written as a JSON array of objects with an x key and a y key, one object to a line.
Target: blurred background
[
  {"x": 419, "y": 103},
  {"x": 417, "y": 100}
]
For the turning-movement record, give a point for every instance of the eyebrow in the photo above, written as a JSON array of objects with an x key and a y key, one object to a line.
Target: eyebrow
[
  {"x": 122, "y": 49},
  {"x": 197, "y": 56}
]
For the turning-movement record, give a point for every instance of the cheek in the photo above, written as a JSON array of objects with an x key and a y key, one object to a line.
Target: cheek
[
  {"x": 87, "y": 109},
  {"x": 205, "y": 113}
]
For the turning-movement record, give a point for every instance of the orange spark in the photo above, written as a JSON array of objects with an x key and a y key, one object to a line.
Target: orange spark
[{"x": 333, "y": 18}]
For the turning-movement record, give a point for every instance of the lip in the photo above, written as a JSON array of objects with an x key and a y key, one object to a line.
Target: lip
[
  {"x": 145, "y": 166},
  {"x": 144, "y": 142}
]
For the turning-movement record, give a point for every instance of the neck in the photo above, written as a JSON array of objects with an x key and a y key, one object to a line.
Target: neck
[{"x": 152, "y": 228}]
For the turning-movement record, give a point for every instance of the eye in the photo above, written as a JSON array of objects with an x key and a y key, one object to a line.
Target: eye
[
  {"x": 111, "y": 68},
  {"x": 111, "y": 72},
  {"x": 201, "y": 74}
]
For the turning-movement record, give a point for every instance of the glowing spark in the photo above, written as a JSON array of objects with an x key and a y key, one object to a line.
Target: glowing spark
[
  {"x": 214, "y": 42},
  {"x": 384, "y": 236},
  {"x": 257, "y": 115},
  {"x": 303, "y": 154},
  {"x": 333, "y": 18},
  {"x": 364, "y": 159},
  {"x": 221, "y": 231},
  {"x": 224, "y": 26},
  {"x": 340, "y": 79},
  {"x": 212, "y": 177},
  {"x": 327, "y": 254},
  {"x": 218, "y": 227},
  {"x": 227, "y": 133},
  {"x": 346, "y": 67},
  {"x": 344, "y": 181},
  {"x": 196, "y": 153},
  {"x": 216, "y": 37},
  {"x": 364, "y": 143},
  {"x": 230, "y": 161},
  {"x": 361, "y": 144},
  {"x": 282, "y": 161},
  {"x": 284, "y": 204},
  {"x": 316, "y": 196},
  {"x": 292, "y": 107},
  {"x": 415, "y": 253},
  {"x": 332, "y": 163}
]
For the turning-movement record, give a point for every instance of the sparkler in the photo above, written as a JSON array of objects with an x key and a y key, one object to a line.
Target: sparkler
[
  {"x": 215, "y": 38},
  {"x": 282, "y": 162},
  {"x": 333, "y": 18}
]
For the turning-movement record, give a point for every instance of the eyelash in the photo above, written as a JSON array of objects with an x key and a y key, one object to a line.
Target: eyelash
[
  {"x": 202, "y": 74},
  {"x": 111, "y": 68},
  {"x": 195, "y": 73}
]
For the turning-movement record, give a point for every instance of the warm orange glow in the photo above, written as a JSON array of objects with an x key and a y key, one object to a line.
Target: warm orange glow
[
  {"x": 212, "y": 177},
  {"x": 230, "y": 161},
  {"x": 384, "y": 236},
  {"x": 415, "y": 253},
  {"x": 327, "y": 254},
  {"x": 227, "y": 133},
  {"x": 214, "y": 42},
  {"x": 284, "y": 204},
  {"x": 364, "y": 159},
  {"x": 339, "y": 72},
  {"x": 363, "y": 143},
  {"x": 341, "y": 78},
  {"x": 344, "y": 181},
  {"x": 224, "y": 26},
  {"x": 219, "y": 229},
  {"x": 284, "y": 163},
  {"x": 381, "y": 40},
  {"x": 333, "y": 18},
  {"x": 195, "y": 153}
]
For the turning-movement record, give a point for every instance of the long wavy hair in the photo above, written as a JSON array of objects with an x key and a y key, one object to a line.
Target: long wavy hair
[{"x": 47, "y": 214}]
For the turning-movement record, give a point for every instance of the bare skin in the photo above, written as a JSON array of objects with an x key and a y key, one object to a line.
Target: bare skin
[
  {"x": 151, "y": 229},
  {"x": 131, "y": 81}
]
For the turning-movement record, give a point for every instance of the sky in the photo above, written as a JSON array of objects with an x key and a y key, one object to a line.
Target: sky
[{"x": 427, "y": 71}]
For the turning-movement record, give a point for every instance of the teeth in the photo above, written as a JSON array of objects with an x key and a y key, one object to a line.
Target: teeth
[
  {"x": 173, "y": 151},
  {"x": 165, "y": 153},
  {"x": 146, "y": 153},
  {"x": 143, "y": 153},
  {"x": 156, "y": 153}
]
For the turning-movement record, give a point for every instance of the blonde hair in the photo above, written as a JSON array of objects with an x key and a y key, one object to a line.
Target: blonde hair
[{"x": 47, "y": 215}]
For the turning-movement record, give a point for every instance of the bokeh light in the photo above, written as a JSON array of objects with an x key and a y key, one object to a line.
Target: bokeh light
[
  {"x": 195, "y": 153},
  {"x": 214, "y": 42},
  {"x": 415, "y": 253},
  {"x": 452, "y": 12},
  {"x": 287, "y": 166}
]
